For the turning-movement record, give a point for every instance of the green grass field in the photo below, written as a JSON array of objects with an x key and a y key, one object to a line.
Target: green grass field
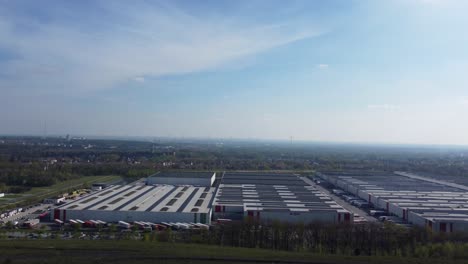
[
  {"x": 80, "y": 251},
  {"x": 40, "y": 193},
  {"x": 63, "y": 186}
]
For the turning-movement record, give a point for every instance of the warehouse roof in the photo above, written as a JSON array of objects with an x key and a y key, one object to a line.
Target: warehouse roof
[
  {"x": 159, "y": 198},
  {"x": 271, "y": 191},
  {"x": 392, "y": 182},
  {"x": 170, "y": 174}
]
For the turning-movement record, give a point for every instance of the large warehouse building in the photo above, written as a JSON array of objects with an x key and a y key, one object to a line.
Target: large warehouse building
[
  {"x": 437, "y": 205},
  {"x": 272, "y": 196},
  {"x": 182, "y": 178},
  {"x": 158, "y": 203},
  {"x": 189, "y": 197}
]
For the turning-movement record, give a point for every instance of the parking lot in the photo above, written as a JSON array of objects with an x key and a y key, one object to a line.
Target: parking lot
[
  {"x": 28, "y": 213},
  {"x": 358, "y": 213}
]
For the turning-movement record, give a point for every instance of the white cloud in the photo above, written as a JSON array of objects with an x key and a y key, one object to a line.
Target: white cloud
[
  {"x": 435, "y": 4},
  {"x": 384, "y": 106},
  {"x": 139, "y": 79},
  {"x": 322, "y": 66},
  {"x": 463, "y": 101},
  {"x": 138, "y": 40}
]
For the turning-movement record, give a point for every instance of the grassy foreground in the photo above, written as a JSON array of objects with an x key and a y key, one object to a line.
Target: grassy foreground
[{"x": 80, "y": 251}]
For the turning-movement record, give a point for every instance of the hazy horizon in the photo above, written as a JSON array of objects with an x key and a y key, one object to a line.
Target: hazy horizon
[
  {"x": 231, "y": 140},
  {"x": 376, "y": 72}
]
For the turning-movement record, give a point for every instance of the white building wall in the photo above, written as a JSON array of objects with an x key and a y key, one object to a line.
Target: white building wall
[
  {"x": 341, "y": 184},
  {"x": 374, "y": 200},
  {"x": 398, "y": 211},
  {"x": 353, "y": 189},
  {"x": 196, "y": 181},
  {"x": 130, "y": 216},
  {"x": 461, "y": 226},
  {"x": 302, "y": 217},
  {"x": 296, "y": 217},
  {"x": 416, "y": 219},
  {"x": 382, "y": 204}
]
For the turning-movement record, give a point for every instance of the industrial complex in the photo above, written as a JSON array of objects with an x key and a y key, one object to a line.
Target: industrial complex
[
  {"x": 440, "y": 206},
  {"x": 190, "y": 198},
  {"x": 202, "y": 197}
]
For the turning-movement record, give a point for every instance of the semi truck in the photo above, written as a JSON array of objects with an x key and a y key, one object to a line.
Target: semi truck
[{"x": 125, "y": 225}]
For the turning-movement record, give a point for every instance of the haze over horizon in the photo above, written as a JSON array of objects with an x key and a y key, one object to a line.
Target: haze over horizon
[{"x": 338, "y": 71}]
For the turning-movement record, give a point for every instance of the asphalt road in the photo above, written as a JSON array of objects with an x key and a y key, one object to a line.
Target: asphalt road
[
  {"x": 340, "y": 201},
  {"x": 27, "y": 213}
]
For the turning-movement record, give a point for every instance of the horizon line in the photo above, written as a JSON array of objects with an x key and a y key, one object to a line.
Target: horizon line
[{"x": 250, "y": 139}]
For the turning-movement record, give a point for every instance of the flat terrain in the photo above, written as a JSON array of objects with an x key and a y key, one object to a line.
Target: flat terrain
[
  {"x": 40, "y": 193},
  {"x": 79, "y": 251}
]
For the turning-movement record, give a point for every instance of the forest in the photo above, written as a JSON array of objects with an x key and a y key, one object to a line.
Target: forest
[
  {"x": 328, "y": 239},
  {"x": 32, "y": 161}
]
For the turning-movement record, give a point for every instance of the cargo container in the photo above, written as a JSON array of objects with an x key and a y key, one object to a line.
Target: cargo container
[
  {"x": 125, "y": 225},
  {"x": 199, "y": 226},
  {"x": 223, "y": 221},
  {"x": 203, "y": 226},
  {"x": 140, "y": 225},
  {"x": 102, "y": 223},
  {"x": 159, "y": 227},
  {"x": 167, "y": 225},
  {"x": 44, "y": 217},
  {"x": 183, "y": 226},
  {"x": 174, "y": 226},
  {"x": 31, "y": 223},
  {"x": 89, "y": 224}
]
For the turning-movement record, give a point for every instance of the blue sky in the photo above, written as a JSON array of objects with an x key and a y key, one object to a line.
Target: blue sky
[{"x": 352, "y": 71}]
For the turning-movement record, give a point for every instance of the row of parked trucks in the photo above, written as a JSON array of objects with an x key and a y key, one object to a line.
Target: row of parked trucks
[
  {"x": 10, "y": 213},
  {"x": 353, "y": 200},
  {"x": 381, "y": 215},
  {"x": 145, "y": 226}
]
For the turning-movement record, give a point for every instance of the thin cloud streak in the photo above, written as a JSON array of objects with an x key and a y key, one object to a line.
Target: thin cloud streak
[
  {"x": 384, "y": 106},
  {"x": 147, "y": 41},
  {"x": 322, "y": 66}
]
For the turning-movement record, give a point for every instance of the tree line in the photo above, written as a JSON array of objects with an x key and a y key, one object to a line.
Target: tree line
[{"x": 328, "y": 239}]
